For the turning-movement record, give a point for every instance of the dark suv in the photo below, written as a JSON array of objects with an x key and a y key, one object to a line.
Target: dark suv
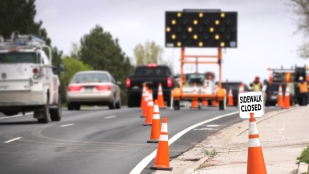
[
  {"x": 235, "y": 88},
  {"x": 272, "y": 94}
]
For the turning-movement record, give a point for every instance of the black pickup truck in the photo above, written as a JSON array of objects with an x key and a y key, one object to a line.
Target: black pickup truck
[{"x": 152, "y": 75}]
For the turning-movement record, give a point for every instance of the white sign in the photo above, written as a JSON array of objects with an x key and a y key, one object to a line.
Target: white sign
[{"x": 251, "y": 102}]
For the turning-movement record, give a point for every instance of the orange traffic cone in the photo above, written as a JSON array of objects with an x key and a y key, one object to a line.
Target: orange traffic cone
[
  {"x": 155, "y": 128},
  {"x": 160, "y": 97},
  {"x": 230, "y": 101},
  {"x": 143, "y": 96},
  {"x": 194, "y": 102},
  {"x": 162, "y": 161},
  {"x": 145, "y": 105},
  {"x": 205, "y": 101},
  {"x": 286, "y": 104},
  {"x": 214, "y": 102},
  {"x": 255, "y": 163},
  {"x": 240, "y": 89},
  {"x": 148, "y": 120},
  {"x": 280, "y": 97}
]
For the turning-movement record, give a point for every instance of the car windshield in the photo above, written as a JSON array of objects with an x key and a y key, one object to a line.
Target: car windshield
[
  {"x": 90, "y": 77},
  {"x": 19, "y": 58}
]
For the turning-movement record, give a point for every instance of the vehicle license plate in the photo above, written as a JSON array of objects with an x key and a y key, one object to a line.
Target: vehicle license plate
[
  {"x": 273, "y": 97},
  {"x": 88, "y": 89}
]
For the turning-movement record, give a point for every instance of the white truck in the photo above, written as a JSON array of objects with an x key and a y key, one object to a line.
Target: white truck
[{"x": 28, "y": 81}]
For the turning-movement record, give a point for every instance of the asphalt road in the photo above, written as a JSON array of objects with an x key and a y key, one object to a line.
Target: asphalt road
[{"x": 98, "y": 140}]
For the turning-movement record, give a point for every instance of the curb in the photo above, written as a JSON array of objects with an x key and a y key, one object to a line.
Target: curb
[
  {"x": 270, "y": 115},
  {"x": 302, "y": 168}
]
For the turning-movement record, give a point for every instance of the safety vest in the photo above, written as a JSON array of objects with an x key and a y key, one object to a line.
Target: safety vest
[
  {"x": 303, "y": 87},
  {"x": 256, "y": 87}
]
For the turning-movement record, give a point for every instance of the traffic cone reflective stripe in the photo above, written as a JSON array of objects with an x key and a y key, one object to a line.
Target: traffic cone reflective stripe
[
  {"x": 255, "y": 163},
  {"x": 230, "y": 98},
  {"x": 143, "y": 96},
  {"x": 194, "y": 102},
  {"x": 160, "y": 97},
  {"x": 145, "y": 109},
  {"x": 286, "y": 104},
  {"x": 148, "y": 120},
  {"x": 280, "y": 97},
  {"x": 162, "y": 158},
  {"x": 155, "y": 128}
]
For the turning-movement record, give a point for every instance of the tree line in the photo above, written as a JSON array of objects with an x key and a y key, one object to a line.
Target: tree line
[{"x": 96, "y": 50}]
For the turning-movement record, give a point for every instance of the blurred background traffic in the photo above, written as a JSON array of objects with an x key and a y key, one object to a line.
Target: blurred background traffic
[{"x": 270, "y": 32}]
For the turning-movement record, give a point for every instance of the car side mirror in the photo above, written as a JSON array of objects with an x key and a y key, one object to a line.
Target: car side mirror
[
  {"x": 118, "y": 83},
  {"x": 62, "y": 68},
  {"x": 265, "y": 82}
]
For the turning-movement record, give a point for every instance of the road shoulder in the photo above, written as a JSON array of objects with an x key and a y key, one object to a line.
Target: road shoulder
[{"x": 277, "y": 135}]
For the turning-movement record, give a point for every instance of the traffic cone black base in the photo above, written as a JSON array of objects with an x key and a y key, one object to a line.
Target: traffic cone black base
[
  {"x": 152, "y": 141},
  {"x": 142, "y": 116},
  {"x": 146, "y": 124},
  {"x": 162, "y": 168}
]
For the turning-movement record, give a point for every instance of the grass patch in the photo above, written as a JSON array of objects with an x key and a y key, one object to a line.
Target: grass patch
[
  {"x": 211, "y": 153},
  {"x": 304, "y": 157},
  {"x": 205, "y": 165}
]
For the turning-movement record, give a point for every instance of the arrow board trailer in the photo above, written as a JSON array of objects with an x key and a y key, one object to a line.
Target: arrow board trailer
[{"x": 251, "y": 102}]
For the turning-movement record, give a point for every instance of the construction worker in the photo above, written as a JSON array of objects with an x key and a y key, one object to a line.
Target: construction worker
[
  {"x": 256, "y": 85},
  {"x": 303, "y": 91}
]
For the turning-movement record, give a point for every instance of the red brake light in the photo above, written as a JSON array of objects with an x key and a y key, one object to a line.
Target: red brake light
[
  {"x": 152, "y": 65},
  {"x": 74, "y": 88},
  {"x": 103, "y": 88},
  {"x": 128, "y": 82},
  {"x": 169, "y": 82},
  {"x": 35, "y": 70}
]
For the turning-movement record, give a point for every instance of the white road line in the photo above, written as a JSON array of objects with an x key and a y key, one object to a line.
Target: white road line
[
  {"x": 14, "y": 139},
  {"x": 7, "y": 117},
  {"x": 140, "y": 166},
  {"x": 111, "y": 116},
  {"x": 66, "y": 125}
]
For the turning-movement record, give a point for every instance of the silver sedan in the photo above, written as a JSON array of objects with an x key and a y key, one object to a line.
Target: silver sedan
[{"x": 93, "y": 88}]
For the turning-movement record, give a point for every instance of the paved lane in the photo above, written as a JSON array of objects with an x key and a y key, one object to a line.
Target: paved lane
[{"x": 96, "y": 140}]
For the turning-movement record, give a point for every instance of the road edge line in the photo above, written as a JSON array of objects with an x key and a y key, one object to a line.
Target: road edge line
[{"x": 142, "y": 164}]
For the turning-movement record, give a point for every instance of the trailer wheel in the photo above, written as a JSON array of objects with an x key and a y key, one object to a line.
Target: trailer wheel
[
  {"x": 222, "y": 105},
  {"x": 176, "y": 105}
]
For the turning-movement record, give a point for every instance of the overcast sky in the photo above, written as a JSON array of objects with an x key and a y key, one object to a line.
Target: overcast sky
[{"x": 265, "y": 30}]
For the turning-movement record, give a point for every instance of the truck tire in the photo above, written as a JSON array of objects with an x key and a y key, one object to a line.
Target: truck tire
[
  {"x": 130, "y": 103},
  {"x": 45, "y": 112},
  {"x": 55, "y": 113}
]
